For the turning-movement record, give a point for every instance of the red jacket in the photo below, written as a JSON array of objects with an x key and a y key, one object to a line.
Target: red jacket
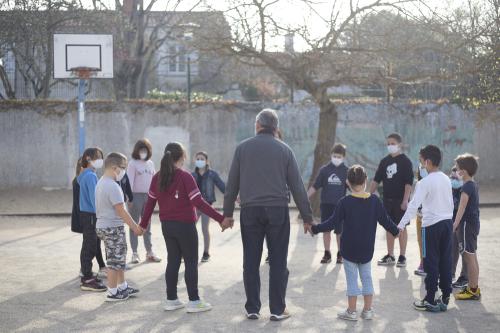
[{"x": 178, "y": 202}]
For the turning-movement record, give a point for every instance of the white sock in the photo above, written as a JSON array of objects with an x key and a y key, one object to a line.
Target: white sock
[
  {"x": 123, "y": 286},
  {"x": 112, "y": 291}
]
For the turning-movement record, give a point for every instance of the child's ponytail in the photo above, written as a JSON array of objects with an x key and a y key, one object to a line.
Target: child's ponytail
[{"x": 173, "y": 153}]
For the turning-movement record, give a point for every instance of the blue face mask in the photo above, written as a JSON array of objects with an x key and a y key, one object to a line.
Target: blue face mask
[
  {"x": 456, "y": 183},
  {"x": 423, "y": 172}
]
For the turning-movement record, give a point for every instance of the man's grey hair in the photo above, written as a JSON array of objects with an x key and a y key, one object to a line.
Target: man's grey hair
[{"x": 268, "y": 119}]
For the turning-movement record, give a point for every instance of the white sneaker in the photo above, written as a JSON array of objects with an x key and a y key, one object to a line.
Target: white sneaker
[
  {"x": 173, "y": 305},
  {"x": 347, "y": 315},
  {"x": 367, "y": 314},
  {"x": 283, "y": 316},
  {"x": 135, "y": 258},
  {"x": 198, "y": 306}
]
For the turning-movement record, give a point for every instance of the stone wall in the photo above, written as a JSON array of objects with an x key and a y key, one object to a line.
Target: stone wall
[{"x": 39, "y": 140}]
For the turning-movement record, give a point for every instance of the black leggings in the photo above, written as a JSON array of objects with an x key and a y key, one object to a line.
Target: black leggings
[
  {"x": 91, "y": 245},
  {"x": 181, "y": 240}
]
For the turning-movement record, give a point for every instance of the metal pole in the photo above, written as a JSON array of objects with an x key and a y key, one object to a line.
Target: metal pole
[
  {"x": 81, "y": 115},
  {"x": 189, "y": 81}
]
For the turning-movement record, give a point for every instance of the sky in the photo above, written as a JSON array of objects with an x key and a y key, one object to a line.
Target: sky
[{"x": 291, "y": 13}]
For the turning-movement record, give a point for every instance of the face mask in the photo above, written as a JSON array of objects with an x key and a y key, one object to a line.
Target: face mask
[
  {"x": 143, "y": 155},
  {"x": 393, "y": 149},
  {"x": 337, "y": 161},
  {"x": 456, "y": 183},
  {"x": 97, "y": 164},
  {"x": 200, "y": 164},
  {"x": 120, "y": 175},
  {"x": 423, "y": 172}
]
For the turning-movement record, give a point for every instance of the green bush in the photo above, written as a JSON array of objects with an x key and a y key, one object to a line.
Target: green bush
[{"x": 176, "y": 96}]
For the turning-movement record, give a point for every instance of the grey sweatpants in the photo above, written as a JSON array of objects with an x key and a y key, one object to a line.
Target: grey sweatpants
[
  {"x": 205, "y": 224},
  {"x": 136, "y": 213}
]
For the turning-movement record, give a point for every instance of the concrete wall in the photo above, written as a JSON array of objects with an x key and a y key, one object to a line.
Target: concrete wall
[{"x": 39, "y": 140}]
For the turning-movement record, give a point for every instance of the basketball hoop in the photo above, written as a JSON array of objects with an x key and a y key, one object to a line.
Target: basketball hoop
[{"x": 84, "y": 72}]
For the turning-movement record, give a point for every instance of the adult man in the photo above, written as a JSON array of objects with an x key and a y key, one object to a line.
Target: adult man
[{"x": 263, "y": 170}]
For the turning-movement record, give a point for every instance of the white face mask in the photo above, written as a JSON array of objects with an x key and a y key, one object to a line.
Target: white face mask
[
  {"x": 337, "y": 161},
  {"x": 97, "y": 164},
  {"x": 200, "y": 164},
  {"x": 120, "y": 175},
  {"x": 393, "y": 149},
  {"x": 143, "y": 155}
]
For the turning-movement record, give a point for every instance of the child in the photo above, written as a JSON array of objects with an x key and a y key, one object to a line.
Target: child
[
  {"x": 332, "y": 182},
  {"x": 206, "y": 179},
  {"x": 92, "y": 159},
  {"x": 177, "y": 194},
  {"x": 76, "y": 226},
  {"x": 421, "y": 173},
  {"x": 395, "y": 171},
  {"x": 467, "y": 224},
  {"x": 463, "y": 280},
  {"x": 433, "y": 193},
  {"x": 111, "y": 213},
  {"x": 140, "y": 171},
  {"x": 360, "y": 213}
]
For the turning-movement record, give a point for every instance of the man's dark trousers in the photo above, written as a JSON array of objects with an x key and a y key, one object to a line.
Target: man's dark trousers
[{"x": 273, "y": 224}]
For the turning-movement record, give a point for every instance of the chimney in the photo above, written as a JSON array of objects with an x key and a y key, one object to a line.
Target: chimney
[{"x": 289, "y": 42}]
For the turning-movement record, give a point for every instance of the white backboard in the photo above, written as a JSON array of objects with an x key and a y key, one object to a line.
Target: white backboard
[{"x": 83, "y": 50}]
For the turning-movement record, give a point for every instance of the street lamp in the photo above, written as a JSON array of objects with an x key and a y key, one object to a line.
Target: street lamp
[{"x": 188, "y": 36}]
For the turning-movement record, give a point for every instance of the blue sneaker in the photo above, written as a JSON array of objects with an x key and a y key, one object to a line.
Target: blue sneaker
[
  {"x": 443, "y": 303},
  {"x": 423, "y": 305}
]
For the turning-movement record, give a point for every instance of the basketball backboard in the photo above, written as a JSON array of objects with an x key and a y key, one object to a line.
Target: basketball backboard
[{"x": 83, "y": 50}]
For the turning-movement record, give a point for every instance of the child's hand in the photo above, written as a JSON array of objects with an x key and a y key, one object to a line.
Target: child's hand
[
  {"x": 138, "y": 231},
  {"x": 455, "y": 226}
]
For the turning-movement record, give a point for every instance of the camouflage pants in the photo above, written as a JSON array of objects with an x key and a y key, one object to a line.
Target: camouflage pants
[{"x": 115, "y": 244}]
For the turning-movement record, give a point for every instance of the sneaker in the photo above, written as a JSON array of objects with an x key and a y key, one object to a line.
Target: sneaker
[
  {"x": 151, "y": 257},
  {"x": 92, "y": 285},
  {"x": 460, "y": 283},
  {"x": 135, "y": 258},
  {"x": 121, "y": 295},
  {"x": 173, "y": 305},
  {"x": 367, "y": 314},
  {"x": 348, "y": 315},
  {"x": 283, "y": 316},
  {"x": 423, "y": 305},
  {"x": 401, "y": 261},
  {"x": 327, "y": 258},
  {"x": 339, "y": 258},
  {"x": 387, "y": 260},
  {"x": 443, "y": 303},
  {"x": 468, "y": 295},
  {"x": 103, "y": 273},
  {"x": 132, "y": 291},
  {"x": 206, "y": 257},
  {"x": 420, "y": 270},
  {"x": 198, "y": 306},
  {"x": 253, "y": 316}
]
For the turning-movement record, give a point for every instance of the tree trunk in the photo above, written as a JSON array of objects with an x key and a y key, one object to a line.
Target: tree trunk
[{"x": 324, "y": 142}]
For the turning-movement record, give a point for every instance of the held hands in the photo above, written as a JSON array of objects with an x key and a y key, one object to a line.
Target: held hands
[
  {"x": 227, "y": 223},
  {"x": 455, "y": 226},
  {"x": 308, "y": 228},
  {"x": 138, "y": 231}
]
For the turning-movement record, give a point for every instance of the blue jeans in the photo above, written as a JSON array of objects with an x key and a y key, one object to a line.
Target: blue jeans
[{"x": 351, "y": 274}]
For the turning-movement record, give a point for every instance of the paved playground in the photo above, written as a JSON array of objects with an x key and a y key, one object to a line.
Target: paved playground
[{"x": 39, "y": 287}]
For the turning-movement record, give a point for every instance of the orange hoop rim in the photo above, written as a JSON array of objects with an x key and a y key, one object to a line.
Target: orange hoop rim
[{"x": 84, "y": 72}]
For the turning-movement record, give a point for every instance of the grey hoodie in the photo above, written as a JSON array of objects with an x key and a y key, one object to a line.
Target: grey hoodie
[{"x": 263, "y": 170}]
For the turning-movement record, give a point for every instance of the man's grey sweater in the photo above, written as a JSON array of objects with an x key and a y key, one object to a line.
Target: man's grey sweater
[{"x": 262, "y": 172}]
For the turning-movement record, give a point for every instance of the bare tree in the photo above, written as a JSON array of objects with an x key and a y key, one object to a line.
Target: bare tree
[{"x": 339, "y": 55}]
